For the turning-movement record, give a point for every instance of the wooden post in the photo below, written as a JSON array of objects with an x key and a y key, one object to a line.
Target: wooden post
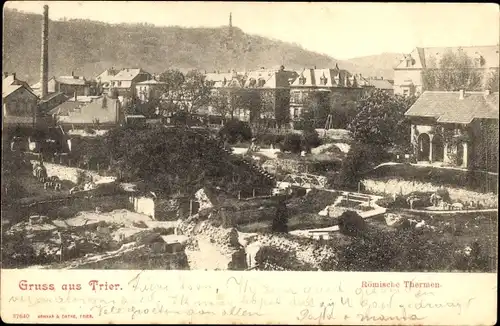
[
  {"x": 347, "y": 199},
  {"x": 97, "y": 167},
  {"x": 191, "y": 207},
  {"x": 359, "y": 186},
  {"x": 239, "y": 194},
  {"x": 253, "y": 193}
]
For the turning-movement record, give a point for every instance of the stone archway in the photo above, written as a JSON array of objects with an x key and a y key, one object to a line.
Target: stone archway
[
  {"x": 437, "y": 148},
  {"x": 424, "y": 147}
]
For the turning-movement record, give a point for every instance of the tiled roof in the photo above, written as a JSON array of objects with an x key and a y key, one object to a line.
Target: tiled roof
[
  {"x": 447, "y": 107},
  {"x": 66, "y": 107},
  {"x": 269, "y": 78},
  {"x": 430, "y": 57},
  {"x": 381, "y": 84},
  {"x": 128, "y": 74},
  {"x": 71, "y": 80},
  {"x": 151, "y": 82},
  {"x": 9, "y": 89},
  {"x": 330, "y": 77}
]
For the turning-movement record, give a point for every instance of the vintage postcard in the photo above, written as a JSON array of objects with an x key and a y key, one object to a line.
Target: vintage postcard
[{"x": 249, "y": 163}]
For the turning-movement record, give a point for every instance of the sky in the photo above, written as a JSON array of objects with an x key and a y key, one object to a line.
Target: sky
[{"x": 341, "y": 30}]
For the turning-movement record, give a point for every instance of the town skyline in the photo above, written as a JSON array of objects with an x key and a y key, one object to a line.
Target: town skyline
[{"x": 473, "y": 24}]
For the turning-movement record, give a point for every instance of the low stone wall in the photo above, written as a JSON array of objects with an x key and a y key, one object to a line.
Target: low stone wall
[{"x": 395, "y": 186}]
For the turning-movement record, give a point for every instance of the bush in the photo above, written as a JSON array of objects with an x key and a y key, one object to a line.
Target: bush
[
  {"x": 359, "y": 160},
  {"x": 311, "y": 138},
  {"x": 292, "y": 143},
  {"x": 236, "y": 131},
  {"x": 280, "y": 222},
  {"x": 351, "y": 223}
]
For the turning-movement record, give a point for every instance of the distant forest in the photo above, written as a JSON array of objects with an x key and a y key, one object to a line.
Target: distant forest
[{"x": 88, "y": 47}]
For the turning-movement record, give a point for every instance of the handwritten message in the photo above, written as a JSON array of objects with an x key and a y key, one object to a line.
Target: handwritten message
[{"x": 251, "y": 297}]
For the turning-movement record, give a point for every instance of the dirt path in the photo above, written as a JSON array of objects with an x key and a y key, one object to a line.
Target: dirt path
[{"x": 208, "y": 257}]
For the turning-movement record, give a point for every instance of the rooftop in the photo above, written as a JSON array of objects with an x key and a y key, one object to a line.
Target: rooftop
[
  {"x": 128, "y": 74},
  {"x": 449, "y": 107}
]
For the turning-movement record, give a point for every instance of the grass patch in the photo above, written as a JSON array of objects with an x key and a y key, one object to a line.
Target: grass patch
[{"x": 471, "y": 180}]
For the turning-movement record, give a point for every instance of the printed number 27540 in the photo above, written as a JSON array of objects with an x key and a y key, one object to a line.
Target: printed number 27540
[{"x": 20, "y": 316}]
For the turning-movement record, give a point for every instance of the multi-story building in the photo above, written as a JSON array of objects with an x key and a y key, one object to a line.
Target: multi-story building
[
  {"x": 125, "y": 81},
  {"x": 68, "y": 85},
  {"x": 149, "y": 89},
  {"x": 408, "y": 73},
  {"x": 104, "y": 79},
  {"x": 337, "y": 86},
  {"x": 272, "y": 88}
]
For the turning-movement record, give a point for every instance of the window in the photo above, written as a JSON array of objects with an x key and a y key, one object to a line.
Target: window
[
  {"x": 406, "y": 92},
  {"x": 119, "y": 83},
  {"x": 323, "y": 80},
  {"x": 302, "y": 80}
]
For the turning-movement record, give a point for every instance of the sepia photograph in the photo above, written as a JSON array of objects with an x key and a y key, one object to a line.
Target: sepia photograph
[{"x": 250, "y": 136}]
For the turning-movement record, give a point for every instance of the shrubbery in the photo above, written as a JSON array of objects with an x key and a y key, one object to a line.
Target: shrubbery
[
  {"x": 292, "y": 143},
  {"x": 359, "y": 160},
  {"x": 235, "y": 131},
  {"x": 351, "y": 223}
]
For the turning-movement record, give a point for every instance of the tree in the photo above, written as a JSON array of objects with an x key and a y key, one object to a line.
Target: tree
[
  {"x": 235, "y": 131},
  {"x": 493, "y": 81},
  {"x": 249, "y": 102},
  {"x": 173, "y": 79},
  {"x": 221, "y": 102},
  {"x": 280, "y": 222},
  {"x": 455, "y": 71},
  {"x": 195, "y": 92},
  {"x": 360, "y": 159},
  {"x": 176, "y": 160},
  {"x": 316, "y": 108},
  {"x": 380, "y": 120}
]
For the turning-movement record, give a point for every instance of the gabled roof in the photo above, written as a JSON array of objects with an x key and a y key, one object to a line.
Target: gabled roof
[
  {"x": 66, "y": 107},
  {"x": 447, "y": 107},
  {"x": 12, "y": 80},
  {"x": 329, "y": 77},
  {"x": 487, "y": 56},
  {"x": 71, "y": 80},
  {"x": 10, "y": 89},
  {"x": 128, "y": 74},
  {"x": 381, "y": 84},
  {"x": 151, "y": 82}
]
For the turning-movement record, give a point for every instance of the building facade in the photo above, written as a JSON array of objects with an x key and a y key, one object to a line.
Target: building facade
[
  {"x": 19, "y": 103},
  {"x": 102, "y": 110},
  {"x": 408, "y": 73},
  {"x": 449, "y": 127},
  {"x": 336, "y": 87},
  {"x": 125, "y": 81},
  {"x": 149, "y": 89}
]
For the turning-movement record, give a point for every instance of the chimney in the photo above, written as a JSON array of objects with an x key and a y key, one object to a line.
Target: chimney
[
  {"x": 487, "y": 92},
  {"x": 76, "y": 97},
  {"x": 461, "y": 97},
  {"x": 14, "y": 75},
  {"x": 44, "y": 64},
  {"x": 381, "y": 77},
  {"x": 315, "y": 67}
]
